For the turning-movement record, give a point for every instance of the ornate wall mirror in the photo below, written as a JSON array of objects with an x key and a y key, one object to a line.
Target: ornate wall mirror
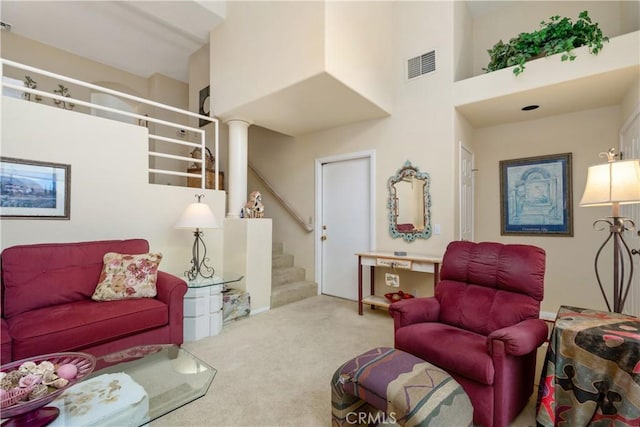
[{"x": 409, "y": 204}]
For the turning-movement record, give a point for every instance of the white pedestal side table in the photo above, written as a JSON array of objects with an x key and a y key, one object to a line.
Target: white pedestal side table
[{"x": 203, "y": 306}]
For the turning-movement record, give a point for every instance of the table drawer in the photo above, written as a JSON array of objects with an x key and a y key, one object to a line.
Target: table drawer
[{"x": 394, "y": 263}]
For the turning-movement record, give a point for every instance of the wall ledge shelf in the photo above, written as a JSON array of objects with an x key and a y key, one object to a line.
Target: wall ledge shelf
[{"x": 591, "y": 81}]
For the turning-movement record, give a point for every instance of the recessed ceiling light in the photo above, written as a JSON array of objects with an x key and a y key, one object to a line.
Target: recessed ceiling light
[{"x": 530, "y": 107}]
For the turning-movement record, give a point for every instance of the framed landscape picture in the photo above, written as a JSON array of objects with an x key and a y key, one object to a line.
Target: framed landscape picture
[
  {"x": 33, "y": 189},
  {"x": 536, "y": 196}
]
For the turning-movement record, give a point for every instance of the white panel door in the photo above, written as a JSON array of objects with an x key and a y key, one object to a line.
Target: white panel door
[
  {"x": 345, "y": 222},
  {"x": 466, "y": 194},
  {"x": 630, "y": 149}
]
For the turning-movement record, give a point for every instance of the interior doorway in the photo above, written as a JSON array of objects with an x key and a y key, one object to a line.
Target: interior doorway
[
  {"x": 466, "y": 194},
  {"x": 345, "y": 213},
  {"x": 114, "y": 102}
]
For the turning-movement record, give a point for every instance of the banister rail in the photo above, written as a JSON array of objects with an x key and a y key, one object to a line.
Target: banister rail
[
  {"x": 308, "y": 228},
  {"x": 200, "y": 133}
]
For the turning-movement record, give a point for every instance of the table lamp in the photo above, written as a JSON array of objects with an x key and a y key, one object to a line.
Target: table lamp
[
  {"x": 613, "y": 184},
  {"x": 198, "y": 216}
]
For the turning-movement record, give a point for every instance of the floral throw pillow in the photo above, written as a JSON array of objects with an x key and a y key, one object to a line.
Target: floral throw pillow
[{"x": 127, "y": 276}]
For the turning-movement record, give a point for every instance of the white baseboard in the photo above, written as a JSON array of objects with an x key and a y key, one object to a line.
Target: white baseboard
[
  {"x": 548, "y": 316},
  {"x": 259, "y": 310}
]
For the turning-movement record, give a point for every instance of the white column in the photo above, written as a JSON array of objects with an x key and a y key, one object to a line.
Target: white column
[{"x": 238, "y": 153}]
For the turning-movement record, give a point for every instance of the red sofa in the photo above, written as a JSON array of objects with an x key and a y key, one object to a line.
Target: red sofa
[
  {"x": 46, "y": 302},
  {"x": 482, "y": 326}
]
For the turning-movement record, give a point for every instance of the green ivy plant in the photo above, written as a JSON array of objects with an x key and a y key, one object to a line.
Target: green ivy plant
[{"x": 557, "y": 35}]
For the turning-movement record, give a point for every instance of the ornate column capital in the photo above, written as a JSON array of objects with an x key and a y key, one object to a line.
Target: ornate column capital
[{"x": 235, "y": 119}]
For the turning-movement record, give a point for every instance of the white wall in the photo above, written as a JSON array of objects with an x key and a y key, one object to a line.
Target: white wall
[
  {"x": 30, "y": 52},
  {"x": 300, "y": 67},
  {"x": 358, "y": 45},
  {"x": 632, "y": 101},
  {"x": 248, "y": 251},
  {"x": 420, "y": 130},
  {"x": 462, "y": 41},
  {"x": 630, "y": 13},
  {"x": 110, "y": 194},
  {"x": 570, "y": 278},
  {"x": 262, "y": 47}
]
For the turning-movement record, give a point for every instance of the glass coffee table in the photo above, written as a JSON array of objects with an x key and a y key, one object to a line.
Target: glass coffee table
[{"x": 135, "y": 387}]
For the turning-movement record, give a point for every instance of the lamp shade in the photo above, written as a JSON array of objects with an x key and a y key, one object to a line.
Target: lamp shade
[
  {"x": 197, "y": 215},
  {"x": 613, "y": 182}
]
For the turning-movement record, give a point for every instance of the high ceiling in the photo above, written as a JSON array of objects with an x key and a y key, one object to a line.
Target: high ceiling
[{"x": 141, "y": 37}]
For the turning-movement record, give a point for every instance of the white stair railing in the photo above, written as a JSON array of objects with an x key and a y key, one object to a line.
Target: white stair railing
[
  {"x": 200, "y": 133},
  {"x": 286, "y": 205}
]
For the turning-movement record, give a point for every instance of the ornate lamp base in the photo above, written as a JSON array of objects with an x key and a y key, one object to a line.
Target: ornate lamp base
[
  {"x": 199, "y": 268},
  {"x": 622, "y": 256}
]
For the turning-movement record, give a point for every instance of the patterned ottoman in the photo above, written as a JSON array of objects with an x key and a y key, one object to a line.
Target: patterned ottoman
[{"x": 386, "y": 386}]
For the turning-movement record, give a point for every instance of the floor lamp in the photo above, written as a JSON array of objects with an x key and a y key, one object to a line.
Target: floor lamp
[
  {"x": 198, "y": 216},
  {"x": 613, "y": 184}
]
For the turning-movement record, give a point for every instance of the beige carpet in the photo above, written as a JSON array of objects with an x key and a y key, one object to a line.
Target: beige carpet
[{"x": 275, "y": 368}]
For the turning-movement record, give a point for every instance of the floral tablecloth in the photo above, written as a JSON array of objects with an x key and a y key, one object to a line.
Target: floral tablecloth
[{"x": 591, "y": 373}]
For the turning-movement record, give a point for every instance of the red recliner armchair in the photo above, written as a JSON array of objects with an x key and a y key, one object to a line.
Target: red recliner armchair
[{"x": 482, "y": 326}]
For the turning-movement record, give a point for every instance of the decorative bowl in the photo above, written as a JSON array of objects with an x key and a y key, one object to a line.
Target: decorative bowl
[
  {"x": 83, "y": 361},
  {"x": 397, "y": 296}
]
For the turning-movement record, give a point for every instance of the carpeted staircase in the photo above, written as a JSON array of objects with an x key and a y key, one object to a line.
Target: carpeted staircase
[{"x": 288, "y": 282}]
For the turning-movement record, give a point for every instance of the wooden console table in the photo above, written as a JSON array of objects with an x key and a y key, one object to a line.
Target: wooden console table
[{"x": 411, "y": 262}]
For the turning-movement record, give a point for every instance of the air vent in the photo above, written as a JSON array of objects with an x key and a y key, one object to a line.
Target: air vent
[{"x": 421, "y": 65}]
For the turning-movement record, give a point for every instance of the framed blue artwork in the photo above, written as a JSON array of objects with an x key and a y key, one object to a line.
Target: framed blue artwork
[{"x": 536, "y": 196}]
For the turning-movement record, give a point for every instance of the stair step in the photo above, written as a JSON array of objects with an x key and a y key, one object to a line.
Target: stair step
[
  {"x": 288, "y": 282},
  {"x": 281, "y": 260},
  {"x": 292, "y": 292},
  {"x": 277, "y": 248},
  {"x": 281, "y": 276}
]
